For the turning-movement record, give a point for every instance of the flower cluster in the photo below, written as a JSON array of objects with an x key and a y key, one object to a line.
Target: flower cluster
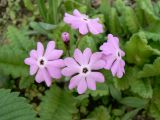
[{"x": 83, "y": 68}]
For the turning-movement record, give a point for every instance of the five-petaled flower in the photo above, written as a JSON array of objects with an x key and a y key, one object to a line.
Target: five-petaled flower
[
  {"x": 46, "y": 65},
  {"x": 112, "y": 55},
  {"x": 83, "y": 70},
  {"x": 83, "y": 23}
]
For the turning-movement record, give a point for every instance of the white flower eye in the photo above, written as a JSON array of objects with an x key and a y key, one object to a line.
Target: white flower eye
[{"x": 41, "y": 62}]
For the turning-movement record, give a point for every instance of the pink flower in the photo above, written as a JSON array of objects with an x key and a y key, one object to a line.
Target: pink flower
[
  {"x": 83, "y": 70},
  {"x": 46, "y": 65},
  {"x": 83, "y": 23},
  {"x": 113, "y": 56}
]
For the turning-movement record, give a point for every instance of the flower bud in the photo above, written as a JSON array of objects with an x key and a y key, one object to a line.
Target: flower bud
[{"x": 65, "y": 37}]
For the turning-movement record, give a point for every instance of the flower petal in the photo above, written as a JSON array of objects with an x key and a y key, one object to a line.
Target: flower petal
[
  {"x": 83, "y": 29},
  {"x": 98, "y": 65},
  {"x": 95, "y": 27},
  {"x": 77, "y": 13},
  {"x": 95, "y": 57},
  {"x": 78, "y": 56},
  {"x": 76, "y": 24},
  {"x": 59, "y": 63},
  {"x": 55, "y": 54},
  {"x": 96, "y": 76},
  {"x": 68, "y": 71},
  {"x": 109, "y": 61},
  {"x": 39, "y": 76},
  {"x": 69, "y": 19},
  {"x": 108, "y": 48},
  {"x": 86, "y": 55},
  {"x": 121, "y": 71},
  {"x": 50, "y": 48},
  {"x": 91, "y": 83},
  {"x": 40, "y": 49},
  {"x": 46, "y": 77},
  {"x": 114, "y": 41},
  {"x": 74, "y": 81},
  {"x": 70, "y": 62},
  {"x": 54, "y": 72},
  {"x": 30, "y": 61},
  {"x": 82, "y": 86},
  {"x": 33, "y": 54},
  {"x": 115, "y": 66},
  {"x": 33, "y": 69},
  {"x": 122, "y": 53}
]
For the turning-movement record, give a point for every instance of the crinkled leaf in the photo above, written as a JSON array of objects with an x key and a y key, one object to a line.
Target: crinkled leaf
[
  {"x": 25, "y": 82},
  {"x": 13, "y": 53},
  {"x": 87, "y": 42},
  {"x": 99, "y": 113},
  {"x": 137, "y": 49},
  {"x": 125, "y": 82},
  {"x": 142, "y": 88},
  {"x": 150, "y": 70},
  {"x": 131, "y": 20},
  {"x": 114, "y": 24},
  {"x": 101, "y": 90},
  {"x": 154, "y": 108},
  {"x": 14, "y": 107},
  {"x": 57, "y": 104}
]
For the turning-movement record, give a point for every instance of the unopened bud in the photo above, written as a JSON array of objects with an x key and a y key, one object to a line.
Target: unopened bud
[{"x": 65, "y": 37}]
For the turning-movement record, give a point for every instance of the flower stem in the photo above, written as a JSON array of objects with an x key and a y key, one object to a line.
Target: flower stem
[{"x": 78, "y": 40}]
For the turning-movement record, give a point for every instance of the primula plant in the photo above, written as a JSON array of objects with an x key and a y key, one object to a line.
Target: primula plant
[{"x": 80, "y": 60}]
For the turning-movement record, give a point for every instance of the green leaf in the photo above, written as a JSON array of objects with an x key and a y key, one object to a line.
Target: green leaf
[
  {"x": 131, "y": 20},
  {"x": 152, "y": 36},
  {"x": 104, "y": 8},
  {"x": 116, "y": 94},
  {"x": 99, "y": 113},
  {"x": 70, "y": 5},
  {"x": 129, "y": 77},
  {"x": 28, "y": 4},
  {"x": 53, "y": 11},
  {"x": 118, "y": 112},
  {"x": 101, "y": 90},
  {"x": 130, "y": 115},
  {"x": 4, "y": 81},
  {"x": 57, "y": 104},
  {"x": 133, "y": 102},
  {"x": 87, "y": 42},
  {"x": 150, "y": 70},
  {"x": 42, "y": 28},
  {"x": 15, "y": 51},
  {"x": 42, "y": 9},
  {"x": 137, "y": 50},
  {"x": 147, "y": 8},
  {"x": 114, "y": 24},
  {"x": 154, "y": 108},
  {"x": 142, "y": 88},
  {"x": 14, "y": 107},
  {"x": 25, "y": 82}
]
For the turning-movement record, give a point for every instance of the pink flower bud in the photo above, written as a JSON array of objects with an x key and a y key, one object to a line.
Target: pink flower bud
[{"x": 65, "y": 37}]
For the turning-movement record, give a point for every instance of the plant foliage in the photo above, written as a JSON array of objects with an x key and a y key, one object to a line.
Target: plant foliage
[{"x": 14, "y": 107}]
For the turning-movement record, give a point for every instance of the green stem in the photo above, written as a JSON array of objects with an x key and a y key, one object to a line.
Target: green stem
[{"x": 78, "y": 40}]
